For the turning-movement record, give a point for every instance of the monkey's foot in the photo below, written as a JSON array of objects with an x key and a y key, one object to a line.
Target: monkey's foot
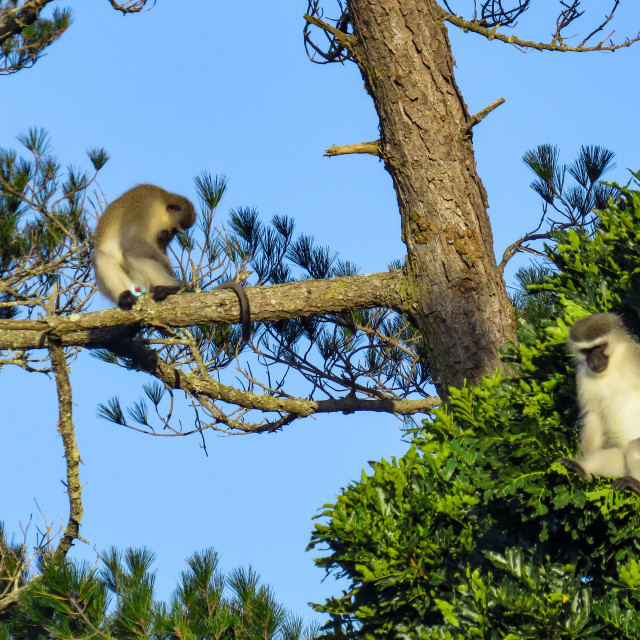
[
  {"x": 126, "y": 300},
  {"x": 576, "y": 467},
  {"x": 161, "y": 292},
  {"x": 626, "y": 482}
]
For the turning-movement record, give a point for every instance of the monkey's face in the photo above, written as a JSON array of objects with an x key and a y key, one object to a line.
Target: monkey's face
[
  {"x": 596, "y": 357},
  {"x": 181, "y": 216}
]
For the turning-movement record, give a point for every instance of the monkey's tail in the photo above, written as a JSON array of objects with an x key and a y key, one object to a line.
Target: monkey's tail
[{"x": 245, "y": 309}]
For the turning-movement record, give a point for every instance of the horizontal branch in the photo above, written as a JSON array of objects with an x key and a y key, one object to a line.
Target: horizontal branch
[
  {"x": 205, "y": 387},
  {"x": 268, "y": 304},
  {"x": 372, "y": 148},
  {"x": 493, "y": 34}
]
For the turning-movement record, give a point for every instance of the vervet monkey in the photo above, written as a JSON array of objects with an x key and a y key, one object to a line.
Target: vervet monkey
[
  {"x": 130, "y": 254},
  {"x": 608, "y": 382}
]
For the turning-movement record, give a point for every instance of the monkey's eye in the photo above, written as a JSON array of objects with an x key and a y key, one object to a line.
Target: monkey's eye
[
  {"x": 596, "y": 358},
  {"x": 174, "y": 208}
]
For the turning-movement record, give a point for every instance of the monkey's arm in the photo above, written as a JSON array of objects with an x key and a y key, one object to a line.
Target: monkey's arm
[
  {"x": 243, "y": 301},
  {"x": 594, "y": 459},
  {"x": 112, "y": 280},
  {"x": 592, "y": 437}
]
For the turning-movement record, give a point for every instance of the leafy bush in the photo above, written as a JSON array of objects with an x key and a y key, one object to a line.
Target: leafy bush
[{"x": 478, "y": 531}]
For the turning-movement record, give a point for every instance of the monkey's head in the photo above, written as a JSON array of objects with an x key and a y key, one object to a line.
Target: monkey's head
[
  {"x": 594, "y": 339},
  {"x": 182, "y": 215},
  {"x": 169, "y": 213}
]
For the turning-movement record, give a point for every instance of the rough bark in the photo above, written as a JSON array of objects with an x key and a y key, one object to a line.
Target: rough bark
[
  {"x": 268, "y": 304},
  {"x": 462, "y": 309}
]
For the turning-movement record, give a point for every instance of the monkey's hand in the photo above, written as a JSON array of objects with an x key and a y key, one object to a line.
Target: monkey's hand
[
  {"x": 576, "y": 467},
  {"x": 126, "y": 300},
  {"x": 160, "y": 292},
  {"x": 626, "y": 482}
]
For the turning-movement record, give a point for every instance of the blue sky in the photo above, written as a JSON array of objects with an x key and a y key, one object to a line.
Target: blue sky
[{"x": 227, "y": 88}]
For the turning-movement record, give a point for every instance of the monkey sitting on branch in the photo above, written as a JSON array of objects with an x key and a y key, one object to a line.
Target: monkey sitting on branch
[
  {"x": 130, "y": 255},
  {"x": 608, "y": 382}
]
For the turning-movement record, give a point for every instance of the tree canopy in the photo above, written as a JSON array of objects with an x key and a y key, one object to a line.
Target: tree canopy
[{"x": 429, "y": 330}]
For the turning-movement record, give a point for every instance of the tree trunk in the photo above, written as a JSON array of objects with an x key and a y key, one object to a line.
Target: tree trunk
[{"x": 463, "y": 310}]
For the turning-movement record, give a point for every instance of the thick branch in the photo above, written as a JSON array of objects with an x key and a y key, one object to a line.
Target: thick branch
[
  {"x": 115, "y": 330},
  {"x": 71, "y": 453},
  {"x": 14, "y": 21},
  {"x": 493, "y": 34},
  {"x": 372, "y": 148},
  {"x": 268, "y": 304}
]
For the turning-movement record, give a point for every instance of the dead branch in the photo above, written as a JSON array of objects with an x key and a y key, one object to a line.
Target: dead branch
[
  {"x": 481, "y": 115},
  {"x": 372, "y": 148},
  {"x": 339, "y": 46}
]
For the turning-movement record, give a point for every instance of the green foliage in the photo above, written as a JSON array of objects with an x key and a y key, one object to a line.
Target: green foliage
[
  {"x": 13, "y": 564},
  {"x": 477, "y": 531},
  {"x": 116, "y": 600},
  {"x": 21, "y": 50},
  {"x": 576, "y": 201},
  {"x": 360, "y": 347},
  {"x": 531, "y": 303},
  {"x": 44, "y": 229}
]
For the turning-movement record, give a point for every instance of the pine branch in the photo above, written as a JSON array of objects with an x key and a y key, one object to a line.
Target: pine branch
[{"x": 13, "y": 21}]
